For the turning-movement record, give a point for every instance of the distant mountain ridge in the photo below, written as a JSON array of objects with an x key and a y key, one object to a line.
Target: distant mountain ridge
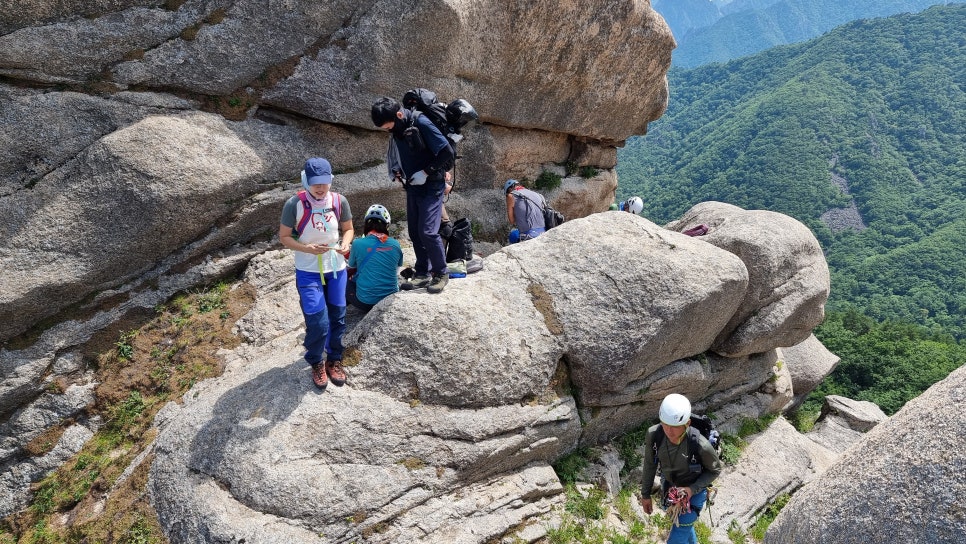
[
  {"x": 876, "y": 107},
  {"x": 707, "y": 32}
]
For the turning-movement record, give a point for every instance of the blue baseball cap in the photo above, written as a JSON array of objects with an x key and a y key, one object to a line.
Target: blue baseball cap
[{"x": 318, "y": 171}]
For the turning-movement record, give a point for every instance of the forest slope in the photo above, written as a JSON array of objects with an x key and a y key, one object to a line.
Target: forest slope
[{"x": 867, "y": 123}]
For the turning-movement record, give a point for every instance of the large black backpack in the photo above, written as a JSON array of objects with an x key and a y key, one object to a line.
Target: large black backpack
[
  {"x": 449, "y": 119},
  {"x": 700, "y": 424},
  {"x": 460, "y": 244}
]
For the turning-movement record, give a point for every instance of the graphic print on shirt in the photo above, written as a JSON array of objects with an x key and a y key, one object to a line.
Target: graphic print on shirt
[{"x": 320, "y": 218}]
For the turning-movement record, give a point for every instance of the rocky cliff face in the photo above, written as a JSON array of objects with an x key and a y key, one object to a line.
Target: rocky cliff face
[{"x": 143, "y": 135}]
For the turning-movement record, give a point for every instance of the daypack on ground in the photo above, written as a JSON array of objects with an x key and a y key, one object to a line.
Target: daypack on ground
[
  {"x": 460, "y": 242},
  {"x": 700, "y": 424}
]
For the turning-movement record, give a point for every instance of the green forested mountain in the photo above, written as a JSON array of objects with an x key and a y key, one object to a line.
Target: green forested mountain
[
  {"x": 744, "y": 27},
  {"x": 871, "y": 115}
]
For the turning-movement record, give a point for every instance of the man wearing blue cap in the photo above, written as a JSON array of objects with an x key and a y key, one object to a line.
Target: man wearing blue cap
[
  {"x": 310, "y": 226},
  {"x": 419, "y": 156}
]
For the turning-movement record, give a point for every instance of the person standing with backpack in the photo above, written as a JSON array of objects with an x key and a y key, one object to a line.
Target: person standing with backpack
[
  {"x": 524, "y": 209},
  {"x": 688, "y": 464},
  {"x": 310, "y": 226},
  {"x": 419, "y": 156}
]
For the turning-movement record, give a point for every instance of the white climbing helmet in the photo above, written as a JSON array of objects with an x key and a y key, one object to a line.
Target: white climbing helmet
[
  {"x": 634, "y": 205},
  {"x": 378, "y": 211},
  {"x": 675, "y": 410}
]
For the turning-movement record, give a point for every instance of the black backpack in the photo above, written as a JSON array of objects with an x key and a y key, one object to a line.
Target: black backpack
[
  {"x": 551, "y": 217},
  {"x": 699, "y": 425},
  {"x": 460, "y": 244},
  {"x": 448, "y": 119}
]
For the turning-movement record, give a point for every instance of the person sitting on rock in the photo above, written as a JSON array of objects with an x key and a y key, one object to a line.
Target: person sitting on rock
[
  {"x": 524, "y": 209},
  {"x": 374, "y": 261},
  {"x": 685, "y": 474},
  {"x": 310, "y": 226}
]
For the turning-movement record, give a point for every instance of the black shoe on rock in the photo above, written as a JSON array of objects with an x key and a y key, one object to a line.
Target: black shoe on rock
[{"x": 438, "y": 282}]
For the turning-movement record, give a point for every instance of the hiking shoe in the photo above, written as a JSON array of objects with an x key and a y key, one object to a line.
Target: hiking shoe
[
  {"x": 319, "y": 376},
  {"x": 438, "y": 282},
  {"x": 336, "y": 372},
  {"x": 417, "y": 283}
]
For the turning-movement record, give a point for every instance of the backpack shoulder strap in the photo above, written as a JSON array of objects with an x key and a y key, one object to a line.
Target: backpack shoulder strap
[
  {"x": 693, "y": 445},
  {"x": 524, "y": 197},
  {"x": 370, "y": 253},
  {"x": 306, "y": 208},
  {"x": 336, "y": 206},
  {"x": 658, "y": 440}
]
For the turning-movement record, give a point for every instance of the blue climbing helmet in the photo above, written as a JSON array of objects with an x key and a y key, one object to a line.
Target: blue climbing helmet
[{"x": 510, "y": 184}]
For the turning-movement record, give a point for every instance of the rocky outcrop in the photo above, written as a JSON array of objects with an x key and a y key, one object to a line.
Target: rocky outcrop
[
  {"x": 780, "y": 460},
  {"x": 475, "y": 390},
  {"x": 808, "y": 363},
  {"x": 141, "y": 181},
  {"x": 790, "y": 302},
  {"x": 902, "y": 483}
]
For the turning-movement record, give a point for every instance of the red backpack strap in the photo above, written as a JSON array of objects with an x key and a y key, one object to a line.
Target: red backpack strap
[{"x": 306, "y": 213}]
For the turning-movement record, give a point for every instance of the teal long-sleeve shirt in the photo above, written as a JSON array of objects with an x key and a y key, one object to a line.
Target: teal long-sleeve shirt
[{"x": 677, "y": 462}]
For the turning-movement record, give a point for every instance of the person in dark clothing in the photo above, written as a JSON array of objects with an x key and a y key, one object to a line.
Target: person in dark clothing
[
  {"x": 685, "y": 474},
  {"x": 418, "y": 157}
]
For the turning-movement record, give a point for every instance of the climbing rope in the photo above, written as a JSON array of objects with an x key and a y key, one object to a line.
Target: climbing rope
[{"x": 679, "y": 504}]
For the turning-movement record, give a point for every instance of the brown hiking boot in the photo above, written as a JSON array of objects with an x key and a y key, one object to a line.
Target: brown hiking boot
[
  {"x": 336, "y": 372},
  {"x": 319, "y": 376}
]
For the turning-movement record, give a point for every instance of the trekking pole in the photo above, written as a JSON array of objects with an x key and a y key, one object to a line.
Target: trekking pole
[{"x": 712, "y": 493}]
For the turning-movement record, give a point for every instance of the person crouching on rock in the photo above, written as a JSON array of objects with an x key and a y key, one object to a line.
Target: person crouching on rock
[
  {"x": 374, "y": 261},
  {"x": 310, "y": 226},
  {"x": 524, "y": 209},
  {"x": 688, "y": 465}
]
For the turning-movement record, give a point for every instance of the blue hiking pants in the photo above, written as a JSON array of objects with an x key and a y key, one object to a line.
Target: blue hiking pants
[
  {"x": 424, "y": 209},
  {"x": 323, "y": 307},
  {"x": 684, "y": 532}
]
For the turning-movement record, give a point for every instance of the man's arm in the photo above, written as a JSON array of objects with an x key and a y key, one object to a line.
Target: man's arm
[
  {"x": 711, "y": 463},
  {"x": 650, "y": 470},
  {"x": 509, "y": 209}
]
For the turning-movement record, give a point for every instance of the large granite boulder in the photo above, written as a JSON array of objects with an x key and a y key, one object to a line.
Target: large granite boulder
[
  {"x": 809, "y": 362},
  {"x": 646, "y": 314},
  {"x": 141, "y": 181},
  {"x": 787, "y": 272},
  {"x": 780, "y": 460},
  {"x": 902, "y": 482},
  {"x": 458, "y": 402}
]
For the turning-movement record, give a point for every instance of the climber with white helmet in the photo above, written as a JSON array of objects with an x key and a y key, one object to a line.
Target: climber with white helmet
[
  {"x": 688, "y": 464},
  {"x": 633, "y": 205},
  {"x": 374, "y": 261}
]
